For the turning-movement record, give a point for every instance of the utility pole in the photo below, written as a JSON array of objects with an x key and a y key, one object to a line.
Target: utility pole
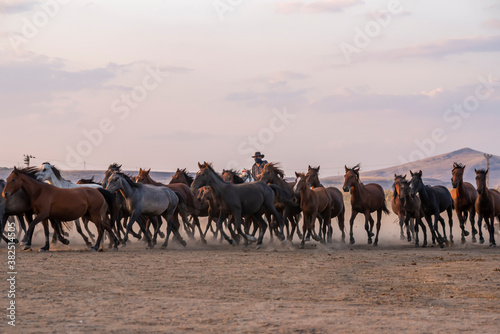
[
  {"x": 84, "y": 165},
  {"x": 488, "y": 156},
  {"x": 27, "y": 158}
]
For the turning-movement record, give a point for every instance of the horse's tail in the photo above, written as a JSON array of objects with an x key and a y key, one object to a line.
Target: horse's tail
[
  {"x": 282, "y": 196},
  {"x": 110, "y": 200},
  {"x": 384, "y": 208}
]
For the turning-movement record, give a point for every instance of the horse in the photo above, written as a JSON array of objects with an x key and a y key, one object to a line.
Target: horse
[
  {"x": 272, "y": 174},
  {"x": 182, "y": 176},
  {"x": 188, "y": 203},
  {"x": 213, "y": 211},
  {"x": 147, "y": 200},
  {"x": 338, "y": 208},
  {"x": 464, "y": 199},
  {"x": 434, "y": 201},
  {"x": 364, "y": 199},
  {"x": 239, "y": 200},
  {"x": 232, "y": 176},
  {"x": 50, "y": 173},
  {"x": 398, "y": 208},
  {"x": 313, "y": 202},
  {"x": 411, "y": 208},
  {"x": 487, "y": 206},
  {"x": 247, "y": 176},
  {"x": 61, "y": 204}
]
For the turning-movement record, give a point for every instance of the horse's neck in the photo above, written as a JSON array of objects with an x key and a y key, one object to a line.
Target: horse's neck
[
  {"x": 126, "y": 189},
  {"x": 461, "y": 189},
  {"x": 61, "y": 183},
  {"x": 357, "y": 190},
  {"x": 218, "y": 186},
  {"x": 153, "y": 182},
  {"x": 305, "y": 193},
  {"x": 424, "y": 193},
  {"x": 485, "y": 196},
  {"x": 32, "y": 188}
]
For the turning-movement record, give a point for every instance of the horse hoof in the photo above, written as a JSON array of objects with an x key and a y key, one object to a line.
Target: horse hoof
[
  {"x": 203, "y": 241},
  {"x": 259, "y": 246},
  {"x": 463, "y": 240},
  {"x": 370, "y": 241},
  {"x": 183, "y": 243},
  {"x": 402, "y": 237},
  {"x": 301, "y": 246},
  {"x": 375, "y": 244},
  {"x": 27, "y": 248},
  {"x": 100, "y": 250},
  {"x": 441, "y": 245},
  {"x": 42, "y": 250},
  {"x": 474, "y": 240},
  {"x": 351, "y": 242},
  {"x": 465, "y": 233},
  {"x": 161, "y": 234},
  {"x": 481, "y": 241},
  {"x": 251, "y": 238},
  {"x": 92, "y": 249},
  {"x": 371, "y": 234},
  {"x": 233, "y": 242},
  {"x": 115, "y": 249},
  {"x": 417, "y": 245}
]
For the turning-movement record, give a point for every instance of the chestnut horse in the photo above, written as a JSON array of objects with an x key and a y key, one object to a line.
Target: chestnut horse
[
  {"x": 61, "y": 204},
  {"x": 398, "y": 208},
  {"x": 487, "y": 206},
  {"x": 338, "y": 208},
  {"x": 464, "y": 198},
  {"x": 313, "y": 202},
  {"x": 365, "y": 199},
  {"x": 181, "y": 176},
  {"x": 232, "y": 176}
]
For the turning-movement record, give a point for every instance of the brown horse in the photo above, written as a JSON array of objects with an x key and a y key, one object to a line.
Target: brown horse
[
  {"x": 464, "y": 199},
  {"x": 232, "y": 176},
  {"x": 191, "y": 204},
  {"x": 412, "y": 208},
  {"x": 273, "y": 174},
  {"x": 338, "y": 208},
  {"x": 182, "y": 176},
  {"x": 59, "y": 203},
  {"x": 399, "y": 210},
  {"x": 365, "y": 199},
  {"x": 213, "y": 212},
  {"x": 487, "y": 206},
  {"x": 313, "y": 202}
]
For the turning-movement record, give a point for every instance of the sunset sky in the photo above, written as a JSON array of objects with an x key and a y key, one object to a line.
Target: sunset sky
[{"x": 165, "y": 84}]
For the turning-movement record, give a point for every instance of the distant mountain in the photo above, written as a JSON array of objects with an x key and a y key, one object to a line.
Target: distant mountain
[{"x": 436, "y": 169}]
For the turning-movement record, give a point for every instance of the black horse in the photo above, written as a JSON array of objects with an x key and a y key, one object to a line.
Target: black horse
[
  {"x": 434, "y": 201},
  {"x": 239, "y": 200},
  {"x": 411, "y": 208}
]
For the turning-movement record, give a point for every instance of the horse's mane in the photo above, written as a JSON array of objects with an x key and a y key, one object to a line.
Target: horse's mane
[
  {"x": 56, "y": 172},
  {"x": 211, "y": 168},
  {"x": 115, "y": 167},
  {"x": 277, "y": 169},
  {"x": 356, "y": 169},
  {"x": 481, "y": 171},
  {"x": 188, "y": 177},
  {"x": 88, "y": 181},
  {"x": 28, "y": 171},
  {"x": 458, "y": 165},
  {"x": 236, "y": 176},
  {"x": 129, "y": 180}
]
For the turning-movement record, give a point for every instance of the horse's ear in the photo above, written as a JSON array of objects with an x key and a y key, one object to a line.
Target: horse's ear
[
  {"x": 309, "y": 167},
  {"x": 404, "y": 177},
  {"x": 318, "y": 168},
  {"x": 140, "y": 170},
  {"x": 411, "y": 173},
  {"x": 420, "y": 173},
  {"x": 487, "y": 171},
  {"x": 200, "y": 165},
  {"x": 346, "y": 169},
  {"x": 395, "y": 175},
  {"x": 475, "y": 170},
  {"x": 149, "y": 170},
  {"x": 296, "y": 174}
]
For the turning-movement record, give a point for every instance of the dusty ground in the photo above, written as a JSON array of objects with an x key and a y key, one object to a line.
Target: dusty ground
[{"x": 220, "y": 288}]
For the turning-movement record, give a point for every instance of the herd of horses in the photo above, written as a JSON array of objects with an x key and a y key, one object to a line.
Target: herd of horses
[{"x": 239, "y": 205}]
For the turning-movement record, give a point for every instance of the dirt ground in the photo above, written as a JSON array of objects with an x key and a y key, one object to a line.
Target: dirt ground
[{"x": 219, "y": 288}]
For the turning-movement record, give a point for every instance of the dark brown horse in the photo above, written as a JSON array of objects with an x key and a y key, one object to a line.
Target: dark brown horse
[
  {"x": 273, "y": 174},
  {"x": 232, "y": 176},
  {"x": 412, "y": 208},
  {"x": 398, "y": 208},
  {"x": 59, "y": 203},
  {"x": 464, "y": 199},
  {"x": 365, "y": 199},
  {"x": 189, "y": 204},
  {"x": 487, "y": 206},
  {"x": 182, "y": 176},
  {"x": 313, "y": 202},
  {"x": 209, "y": 204},
  {"x": 338, "y": 208},
  {"x": 239, "y": 200}
]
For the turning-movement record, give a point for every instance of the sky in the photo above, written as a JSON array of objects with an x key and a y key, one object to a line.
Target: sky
[{"x": 168, "y": 84}]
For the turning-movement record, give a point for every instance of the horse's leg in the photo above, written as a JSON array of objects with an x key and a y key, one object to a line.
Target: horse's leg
[
  {"x": 79, "y": 230},
  {"x": 472, "y": 218},
  {"x": 480, "y": 229},
  {"x": 368, "y": 221},
  {"x": 435, "y": 234},
  {"x": 305, "y": 223},
  {"x": 492, "y": 233},
  {"x": 421, "y": 223},
  {"x": 263, "y": 228},
  {"x": 341, "y": 222},
  {"x": 2, "y": 228},
  {"x": 22, "y": 226},
  {"x": 407, "y": 222},
  {"x": 29, "y": 234},
  {"x": 379, "y": 224},
  {"x": 86, "y": 226},
  {"x": 351, "y": 222},
  {"x": 197, "y": 224},
  {"x": 221, "y": 229},
  {"x": 450, "y": 224},
  {"x": 461, "y": 221},
  {"x": 237, "y": 225},
  {"x": 57, "y": 226},
  {"x": 45, "y": 224},
  {"x": 402, "y": 222},
  {"x": 412, "y": 228},
  {"x": 443, "y": 225}
]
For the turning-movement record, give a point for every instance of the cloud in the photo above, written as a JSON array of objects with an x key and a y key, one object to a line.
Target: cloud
[
  {"x": 493, "y": 23},
  {"x": 443, "y": 48},
  {"x": 319, "y": 6},
  {"x": 17, "y": 6}
]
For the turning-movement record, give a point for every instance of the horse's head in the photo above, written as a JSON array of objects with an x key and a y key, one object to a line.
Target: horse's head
[
  {"x": 246, "y": 175},
  {"x": 203, "y": 177},
  {"x": 270, "y": 172},
  {"x": 351, "y": 177},
  {"x": 227, "y": 175},
  {"x": 313, "y": 176},
  {"x": 397, "y": 183},
  {"x": 204, "y": 194},
  {"x": 481, "y": 180},
  {"x": 16, "y": 179},
  {"x": 114, "y": 167},
  {"x": 300, "y": 182},
  {"x": 416, "y": 182},
  {"x": 114, "y": 182},
  {"x": 181, "y": 176},
  {"x": 143, "y": 176},
  {"x": 457, "y": 174},
  {"x": 404, "y": 190},
  {"x": 45, "y": 172}
]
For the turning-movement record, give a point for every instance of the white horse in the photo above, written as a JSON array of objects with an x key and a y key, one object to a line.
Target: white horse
[
  {"x": 246, "y": 175},
  {"x": 48, "y": 172}
]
